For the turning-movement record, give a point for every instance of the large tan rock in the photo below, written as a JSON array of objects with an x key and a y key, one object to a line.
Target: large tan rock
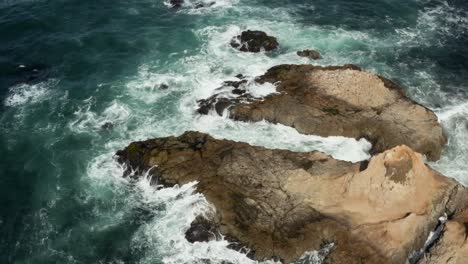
[
  {"x": 281, "y": 203},
  {"x": 336, "y": 101}
]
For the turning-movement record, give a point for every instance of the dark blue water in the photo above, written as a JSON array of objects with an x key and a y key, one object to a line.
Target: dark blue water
[{"x": 69, "y": 67}]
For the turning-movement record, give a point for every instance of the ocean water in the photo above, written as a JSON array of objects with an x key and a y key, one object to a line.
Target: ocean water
[{"x": 69, "y": 67}]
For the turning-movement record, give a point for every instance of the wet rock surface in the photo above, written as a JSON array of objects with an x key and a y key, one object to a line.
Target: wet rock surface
[
  {"x": 281, "y": 204},
  {"x": 254, "y": 41},
  {"x": 337, "y": 101},
  {"x": 202, "y": 230},
  {"x": 311, "y": 54}
]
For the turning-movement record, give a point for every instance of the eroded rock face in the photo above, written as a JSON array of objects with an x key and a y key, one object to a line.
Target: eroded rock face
[
  {"x": 338, "y": 101},
  {"x": 254, "y": 41},
  {"x": 281, "y": 203}
]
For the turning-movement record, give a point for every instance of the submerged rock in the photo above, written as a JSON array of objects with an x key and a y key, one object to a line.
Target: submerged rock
[
  {"x": 202, "y": 5},
  {"x": 180, "y": 3},
  {"x": 220, "y": 104},
  {"x": 162, "y": 86},
  {"x": 312, "y": 54},
  {"x": 202, "y": 230},
  {"x": 254, "y": 41},
  {"x": 281, "y": 203},
  {"x": 107, "y": 126},
  {"x": 338, "y": 101},
  {"x": 28, "y": 73},
  {"x": 176, "y": 3}
]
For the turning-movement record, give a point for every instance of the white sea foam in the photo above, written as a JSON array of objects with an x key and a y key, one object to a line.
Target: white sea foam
[
  {"x": 282, "y": 137},
  {"x": 199, "y": 6},
  {"x": 149, "y": 86},
  {"x": 24, "y": 93},
  {"x": 210, "y": 3},
  {"x": 453, "y": 162},
  {"x": 316, "y": 256},
  {"x": 261, "y": 90},
  {"x": 87, "y": 120},
  {"x": 434, "y": 25},
  {"x": 166, "y": 232}
]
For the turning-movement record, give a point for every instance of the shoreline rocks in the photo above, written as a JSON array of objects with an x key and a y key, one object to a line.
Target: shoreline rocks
[
  {"x": 336, "y": 101},
  {"x": 254, "y": 41},
  {"x": 281, "y": 203}
]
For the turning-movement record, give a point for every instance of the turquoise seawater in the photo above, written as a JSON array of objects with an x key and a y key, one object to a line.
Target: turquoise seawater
[{"x": 68, "y": 67}]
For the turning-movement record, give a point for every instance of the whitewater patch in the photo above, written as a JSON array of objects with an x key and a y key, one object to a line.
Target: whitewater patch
[
  {"x": 316, "y": 256},
  {"x": 22, "y": 94},
  {"x": 277, "y": 136},
  {"x": 151, "y": 86},
  {"x": 87, "y": 121},
  {"x": 166, "y": 233},
  {"x": 261, "y": 90},
  {"x": 437, "y": 23},
  {"x": 453, "y": 162},
  {"x": 199, "y": 6}
]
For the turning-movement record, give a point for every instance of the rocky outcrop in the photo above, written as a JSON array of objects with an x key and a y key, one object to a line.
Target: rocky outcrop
[
  {"x": 337, "y": 101},
  {"x": 281, "y": 203},
  {"x": 311, "y": 54},
  {"x": 254, "y": 41}
]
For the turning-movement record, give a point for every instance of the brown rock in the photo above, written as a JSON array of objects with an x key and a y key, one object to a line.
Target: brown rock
[
  {"x": 254, "y": 41},
  {"x": 281, "y": 203},
  {"x": 312, "y": 54},
  {"x": 339, "y": 101}
]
